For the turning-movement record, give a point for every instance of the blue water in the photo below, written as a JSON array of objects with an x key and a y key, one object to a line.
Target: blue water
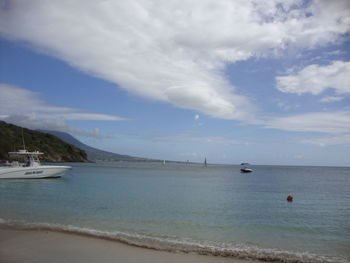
[{"x": 213, "y": 210}]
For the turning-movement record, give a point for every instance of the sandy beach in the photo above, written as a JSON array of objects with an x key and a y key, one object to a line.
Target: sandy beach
[{"x": 47, "y": 246}]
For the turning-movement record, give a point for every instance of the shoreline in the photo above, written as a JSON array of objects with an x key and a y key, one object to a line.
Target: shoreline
[
  {"x": 51, "y": 246},
  {"x": 32, "y": 241}
]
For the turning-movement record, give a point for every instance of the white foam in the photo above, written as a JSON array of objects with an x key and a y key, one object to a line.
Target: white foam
[{"x": 181, "y": 244}]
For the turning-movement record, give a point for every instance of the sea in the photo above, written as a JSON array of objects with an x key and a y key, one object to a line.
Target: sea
[{"x": 213, "y": 210}]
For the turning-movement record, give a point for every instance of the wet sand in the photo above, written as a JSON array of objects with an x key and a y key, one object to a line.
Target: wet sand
[{"x": 31, "y": 246}]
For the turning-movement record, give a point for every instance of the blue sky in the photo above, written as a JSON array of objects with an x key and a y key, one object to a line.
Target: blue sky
[{"x": 233, "y": 81}]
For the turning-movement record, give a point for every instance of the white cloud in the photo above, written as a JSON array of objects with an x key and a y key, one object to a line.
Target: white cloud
[
  {"x": 188, "y": 137},
  {"x": 323, "y": 122},
  {"x": 299, "y": 156},
  {"x": 16, "y": 101},
  {"x": 84, "y": 116},
  {"x": 329, "y": 99},
  {"x": 315, "y": 79},
  {"x": 173, "y": 51},
  {"x": 343, "y": 139},
  {"x": 26, "y": 108},
  {"x": 287, "y": 106},
  {"x": 196, "y": 117}
]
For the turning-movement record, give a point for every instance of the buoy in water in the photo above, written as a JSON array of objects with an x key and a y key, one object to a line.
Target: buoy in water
[{"x": 289, "y": 198}]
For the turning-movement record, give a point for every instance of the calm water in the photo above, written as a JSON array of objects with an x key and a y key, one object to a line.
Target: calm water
[{"x": 213, "y": 210}]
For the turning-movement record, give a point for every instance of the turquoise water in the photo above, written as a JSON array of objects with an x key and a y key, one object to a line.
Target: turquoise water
[{"x": 213, "y": 210}]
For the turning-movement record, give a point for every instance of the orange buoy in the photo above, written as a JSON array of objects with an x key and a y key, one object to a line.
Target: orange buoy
[{"x": 289, "y": 198}]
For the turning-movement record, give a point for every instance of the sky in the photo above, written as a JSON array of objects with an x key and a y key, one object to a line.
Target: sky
[{"x": 265, "y": 82}]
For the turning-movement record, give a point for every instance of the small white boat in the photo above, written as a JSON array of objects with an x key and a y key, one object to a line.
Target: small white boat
[
  {"x": 31, "y": 169},
  {"x": 245, "y": 169}
]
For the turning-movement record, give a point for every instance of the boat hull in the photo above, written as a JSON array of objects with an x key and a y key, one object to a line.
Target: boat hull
[{"x": 43, "y": 171}]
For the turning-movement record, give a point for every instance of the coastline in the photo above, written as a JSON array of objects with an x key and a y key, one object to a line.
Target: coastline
[{"x": 51, "y": 246}]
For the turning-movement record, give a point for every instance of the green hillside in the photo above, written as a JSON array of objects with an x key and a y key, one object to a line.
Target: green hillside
[{"x": 54, "y": 149}]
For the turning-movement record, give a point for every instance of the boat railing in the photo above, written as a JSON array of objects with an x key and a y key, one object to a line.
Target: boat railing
[{"x": 15, "y": 164}]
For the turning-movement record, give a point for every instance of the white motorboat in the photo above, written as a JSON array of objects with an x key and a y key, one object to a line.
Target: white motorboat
[
  {"x": 31, "y": 169},
  {"x": 245, "y": 168}
]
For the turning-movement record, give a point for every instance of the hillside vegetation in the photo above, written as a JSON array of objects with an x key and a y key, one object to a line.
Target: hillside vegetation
[{"x": 54, "y": 149}]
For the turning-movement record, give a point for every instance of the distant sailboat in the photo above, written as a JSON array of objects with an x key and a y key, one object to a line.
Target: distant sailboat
[
  {"x": 205, "y": 162},
  {"x": 163, "y": 162}
]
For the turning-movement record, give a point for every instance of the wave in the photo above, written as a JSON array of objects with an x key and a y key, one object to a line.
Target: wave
[{"x": 177, "y": 245}]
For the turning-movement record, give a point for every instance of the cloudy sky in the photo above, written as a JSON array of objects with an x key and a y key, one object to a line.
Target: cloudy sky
[{"x": 266, "y": 82}]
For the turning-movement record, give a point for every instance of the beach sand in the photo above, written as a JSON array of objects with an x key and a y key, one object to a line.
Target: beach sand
[{"x": 31, "y": 246}]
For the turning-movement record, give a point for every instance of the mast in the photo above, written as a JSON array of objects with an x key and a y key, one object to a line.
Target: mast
[{"x": 24, "y": 146}]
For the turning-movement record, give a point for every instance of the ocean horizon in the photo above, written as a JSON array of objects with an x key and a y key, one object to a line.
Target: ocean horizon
[{"x": 214, "y": 210}]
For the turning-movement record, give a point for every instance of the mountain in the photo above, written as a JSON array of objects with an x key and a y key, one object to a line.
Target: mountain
[
  {"x": 94, "y": 154},
  {"x": 54, "y": 149}
]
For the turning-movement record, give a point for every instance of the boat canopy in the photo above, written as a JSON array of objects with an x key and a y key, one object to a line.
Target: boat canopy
[{"x": 25, "y": 153}]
